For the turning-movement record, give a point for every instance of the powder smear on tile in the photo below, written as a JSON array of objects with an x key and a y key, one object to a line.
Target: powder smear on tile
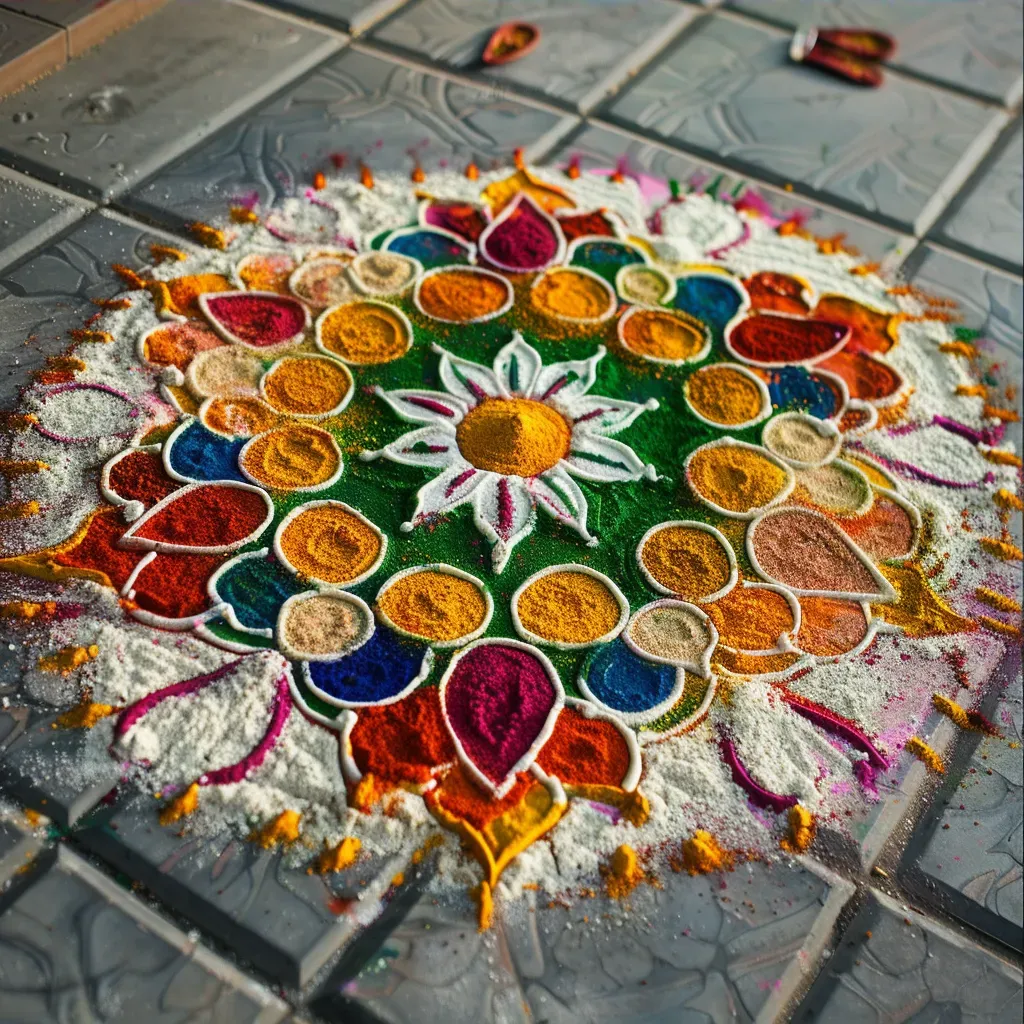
[{"x": 568, "y": 607}]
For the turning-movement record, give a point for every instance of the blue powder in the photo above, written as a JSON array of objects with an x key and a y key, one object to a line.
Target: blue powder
[
  {"x": 793, "y": 388},
  {"x": 431, "y": 248},
  {"x": 381, "y": 668},
  {"x": 256, "y": 588},
  {"x": 605, "y": 258},
  {"x": 200, "y": 454},
  {"x": 710, "y": 298},
  {"x": 625, "y": 682}
]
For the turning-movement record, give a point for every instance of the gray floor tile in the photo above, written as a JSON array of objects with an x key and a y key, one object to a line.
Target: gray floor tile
[
  {"x": 585, "y": 49},
  {"x": 600, "y": 147},
  {"x": 86, "y": 22},
  {"x": 360, "y": 106},
  {"x": 974, "y": 46},
  {"x": 353, "y": 16},
  {"x": 49, "y": 294},
  {"x": 718, "y": 948},
  {"x": 16, "y": 850},
  {"x": 30, "y": 213},
  {"x": 28, "y": 49},
  {"x": 149, "y": 93},
  {"x": 895, "y": 966},
  {"x": 729, "y": 92},
  {"x": 286, "y": 922},
  {"x": 987, "y": 220},
  {"x": 75, "y": 946}
]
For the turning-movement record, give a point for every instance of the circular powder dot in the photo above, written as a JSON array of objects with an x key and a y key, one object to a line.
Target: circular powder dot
[
  {"x": 835, "y": 488},
  {"x": 687, "y": 561},
  {"x": 572, "y": 295},
  {"x": 330, "y": 544},
  {"x": 513, "y": 436},
  {"x": 238, "y": 417},
  {"x": 310, "y": 386},
  {"x": 322, "y": 624},
  {"x": 569, "y": 608},
  {"x": 266, "y": 271},
  {"x": 383, "y": 273},
  {"x": 175, "y": 344},
  {"x": 670, "y": 632},
  {"x": 291, "y": 457},
  {"x": 322, "y": 283},
  {"x": 364, "y": 333},
  {"x": 643, "y": 284},
  {"x": 725, "y": 395},
  {"x": 751, "y": 618},
  {"x": 224, "y": 372},
  {"x": 661, "y": 335},
  {"x": 735, "y": 478},
  {"x": 435, "y": 606},
  {"x": 799, "y": 438},
  {"x": 461, "y": 296}
]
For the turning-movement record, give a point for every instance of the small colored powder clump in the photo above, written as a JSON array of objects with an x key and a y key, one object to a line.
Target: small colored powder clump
[
  {"x": 434, "y": 606},
  {"x": 292, "y": 457},
  {"x": 623, "y": 873},
  {"x": 572, "y": 295},
  {"x": 725, "y": 395},
  {"x": 330, "y": 544},
  {"x": 461, "y": 296},
  {"x": 662, "y": 335},
  {"x": 365, "y": 333},
  {"x": 569, "y": 608},
  {"x": 514, "y": 436},
  {"x": 307, "y": 386},
  {"x": 734, "y": 477},
  {"x": 687, "y": 561}
]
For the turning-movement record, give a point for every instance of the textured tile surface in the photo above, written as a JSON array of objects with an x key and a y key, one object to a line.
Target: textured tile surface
[
  {"x": 278, "y": 917},
  {"x": 351, "y": 15},
  {"x": 729, "y": 92},
  {"x": 716, "y": 948},
  {"x": 356, "y": 105},
  {"x": 599, "y": 148},
  {"x": 149, "y": 93},
  {"x": 28, "y": 48},
  {"x": 893, "y": 967},
  {"x": 86, "y": 22},
  {"x": 30, "y": 213},
  {"x": 74, "y": 946},
  {"x": 585, "y": 49},
  {"x": 988, "y": 220},
  {"x": 46, "y": 296},
  {"x": 974, "y": 46},
  {"x": 16, "y": 850}
]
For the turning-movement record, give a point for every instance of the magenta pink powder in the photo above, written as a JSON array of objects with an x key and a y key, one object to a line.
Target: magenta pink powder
[
  {"x": 259, "y": 320},
  {"x": 525, "y": 241},
  {"x": 497, "y": 700}
]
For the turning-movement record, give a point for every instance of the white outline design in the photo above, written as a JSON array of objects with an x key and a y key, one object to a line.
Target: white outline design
[
  {"x": 743, "y": 371},
  {"x": 344, "y": 597},
  {"x": 678, "y": 314},
  {"x": 333, "y": 361},
  {"x": 457, "y": 269},
  {"x": 470, "y": 248},
  {"x": 308, "y": 489}
]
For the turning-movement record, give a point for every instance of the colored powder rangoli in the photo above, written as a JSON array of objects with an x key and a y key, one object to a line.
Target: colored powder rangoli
[
  {"x": 384, "y": 273},
  {"x": 687, "y": 561},
  {"x": 176, "y": 344},
  {"x": 725, "y": 395},
  {"x": 462, "y": 296},
  {"x": 224, "y": 372},
  {"x": 517, "y": 436},
  {"x": 735, "y": 478},
  {"x": 436, "y": 606},
  {"x": 330, "y": 543},
  {"x": 661, "y": 335},
  {"x": 568, "y": 607},
  {"x": 323, "y": 624},
  {"x": 671, "y": 633},
  {"x": 572, "y": 295},
  {"x": 261, "y": 320},
  {"x": 364, "y": 333},
  {"x": 644, "y": 285},
  {"x": 292, "y": 457},
  {"x": 752, "y": 618},
  {"x": 239, "y": 416},
  {"x": 307, "y": 387}
]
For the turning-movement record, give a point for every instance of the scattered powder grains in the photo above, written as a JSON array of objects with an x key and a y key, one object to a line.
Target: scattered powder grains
[
  {"x": 140, "y": 476},
  {"x": 735, "y": 478},
  {"x": 175, "y": 344},
  {"x": 585, "y": 751},
  {"x": 290, "y": 457},
  {"x": 514, "y": 436},
  {"x": 460, "y": 218},
  {"x": 926, "y": 755},
  {"x": 434, "y": 605},
  {"x": 460, "y": 296},
  {"x": 686, "y": 561},
  {"x": 323, "y": 624},
  {"x": 724, "y": 394},
  {"x": 670, "y": 633},
  {"x": 181, "y": 806},
  {"x": 801, "y": 439},
  {"x": 384, "y": 273},
  {"x": 307, "y": 386},
  {"x": 644, "y": 285},
  {"x": 279, "y": 831},
  {"x": 919, "y": 611},
  {"x": 259, "y": 320},
  {"x": 85, "y": 715},
  {"x": 661, "y": 334},
  {"x": 365, "y": 333},
  {"x": 267, "y": 272},
  {"x": 226, "y": 372},
  {"x": 329, "y": 543},
  {"x": 67, "y": 659},
  {"x": 240, "y": 416},
  {"x": 181, "y": 295},
  {"x": 323, "y": 282},
  {"x": 829, "y": 626},
  {"x": 751, "y": 618},
  {"x": 572, "y": 295},
  {"x": 568, "y": 607}
]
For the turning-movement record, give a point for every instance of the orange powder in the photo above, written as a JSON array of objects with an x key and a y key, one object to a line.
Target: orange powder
[
  {"x": 183, "y": 292},
  {"x": 329, "y": 543},
  {"x": 660, "y": 334},
  {"x": 461, "y": 295},
  {"x": 725, "y": 395},
  {"x": 307, "y": 387},
  {"x": 239, "y": 417},
  {"x": 735, "y": 478},
  {"x": 568, "y": 293},
  {"x": 568, "y": 607},
  {"x": 267, "y": 272},
  {"x": 686, "y": 561},
  {"x": 291, "y": 457},
  {"x": 751, "y": 619},
  {"x": 366, "y": 333}
]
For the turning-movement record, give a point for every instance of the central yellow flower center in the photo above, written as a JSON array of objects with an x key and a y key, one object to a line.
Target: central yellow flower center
[{"x": 514, "y": 436}]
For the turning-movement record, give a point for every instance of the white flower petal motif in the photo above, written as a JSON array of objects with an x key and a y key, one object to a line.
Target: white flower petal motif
[
  {"x": 560, "y": 496},
  {"x": 445, "y": 492},
  {"x": 467, "y": 380},
  {"x": 596, "y": 415},
  {"x": 602, "y": 460},
  {"x": 418, "y": 406},
  {"x": 504, "y": 514},
  {"x": 517, "y": 366},
  {"x": 565, "y": 382},
  {"x": 432, "y": 447}
]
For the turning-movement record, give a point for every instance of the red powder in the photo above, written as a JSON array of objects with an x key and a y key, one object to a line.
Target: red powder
[
  {"x": 259, "y": 319},
  {"x": 869, "y": 330},
  {"x": 97, "y": 550},
  {"x": 778, "y": 293},
  {"x": 140, "y": 476},
  {"x": 866, "y": 378},
  {"x": 498, "y": 699},
  {"x": 403, "y": 742},
  {"x": 576, "y": 225},
  {"x": 524, "y": 241},
  {"x": 585, "y": 750},
  {"x": 175, "y": 585},
  {"x": 207, "y": 516},
  {"x": 460, "y": 797},
  {"x": 768, "y": 338}
]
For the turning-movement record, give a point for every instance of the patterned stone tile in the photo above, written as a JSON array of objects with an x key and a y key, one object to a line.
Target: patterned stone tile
[
  {"x": 353, "y": 16},
  {"x": 727, "y": 91},
  {"x": 75, "y": 946},
  {"x": 46, "y": 296},
  {"x": 85, "y": 22},
  {"x": 16, "y": 850},
  {"x": 715, "y": 948},
  {"x": 151, "y": 92},
  {"x": 968, "y": 853},
  {"x": 894, "y": 967},
  {"x": 28, "y": 49},
  {"x": 30, "y": 213},
  {"x": 585, "y": 49},
  {"x": 599, "y": 147},
  {"x": 268, "y": 910},
  {"x": 987, "y": 220},
  {"x": 356, "y": 105},
  {"x": 975, "y": 46}
]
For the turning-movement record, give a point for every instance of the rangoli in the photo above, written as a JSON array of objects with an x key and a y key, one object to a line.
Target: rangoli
[{"x": 604, "y": 525}]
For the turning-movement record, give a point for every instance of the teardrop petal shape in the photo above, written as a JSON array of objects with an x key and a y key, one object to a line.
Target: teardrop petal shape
[
  {"x": 259, "y": 320},
  {"x": 460, "y": 218},
  {"x": 773, "y": 339},
  {"x": 136, "y": 474},
  {"x": 500, "y": 700},
  {"x": 871, "y": 330},
  {"x": 431, "y": 247},
  {"x": 830, "y": 627},
  {"x": 889, "y": 529},
  {"x": 384, "y": 273},
  {"x": 808, "y": 553},
  {"x": 208, "y": 518},
  {"x": 523, "y": 239},
  {"x": 737, "y": 479},
  {"x": 630, "y": 686},
  {"x": 588, "y": 748},
  {"x": 175, "y": 343},
  {"x": 867, "y": 377},
  {"x": 774, "y": 292},
  {"x": 254, "y": 586},
  {"x": 727, "y": 395},
  {"x": 713, "y": 299}
]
